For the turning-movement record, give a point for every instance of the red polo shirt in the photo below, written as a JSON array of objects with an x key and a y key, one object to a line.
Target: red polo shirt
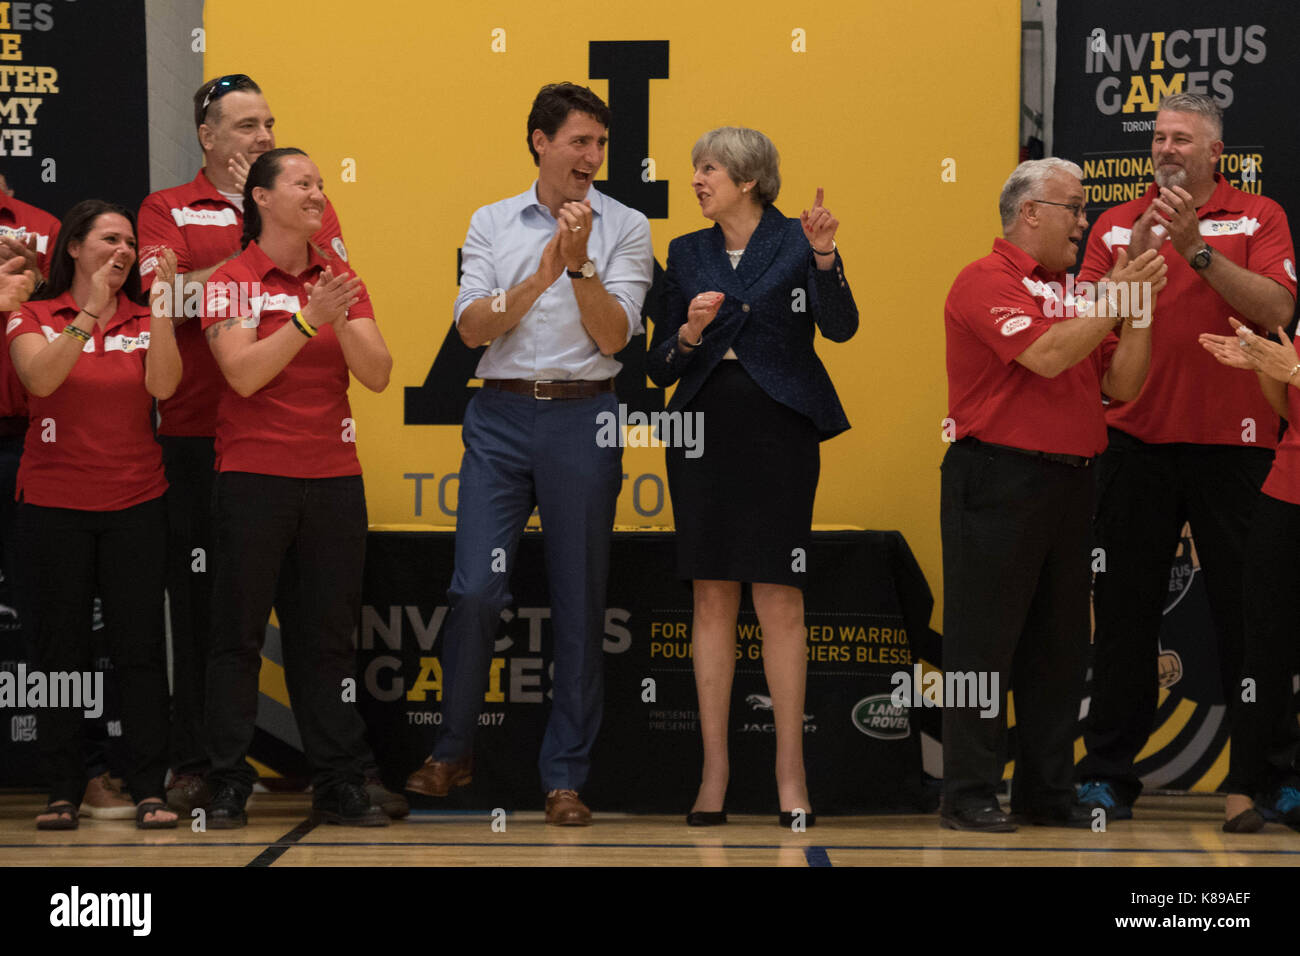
[
  {"x": 298, "y": 424},
  {"x": 203, "y": 228},
  {"x": 996, "y": 309},
  {"x": 90, "y": 444},
  {"x": 1188, "y": 396},
  {"x": 22, "y": 221}
]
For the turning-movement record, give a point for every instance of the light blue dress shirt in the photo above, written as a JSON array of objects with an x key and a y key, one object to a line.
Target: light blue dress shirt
[{"x": 504, "y": 246}]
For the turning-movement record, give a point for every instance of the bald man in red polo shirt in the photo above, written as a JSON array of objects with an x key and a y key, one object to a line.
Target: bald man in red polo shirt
[{"x": 1027, "y": 366}]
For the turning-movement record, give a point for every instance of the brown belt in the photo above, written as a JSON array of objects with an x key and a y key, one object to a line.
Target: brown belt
[{"x": 550, "y": 389}]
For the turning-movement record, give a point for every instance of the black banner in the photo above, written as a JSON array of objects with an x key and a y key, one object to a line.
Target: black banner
[
  {"x": 866, "y": 597},
  {"x": 73, "y": 103},
  {"x": 1115, "y": 61}
]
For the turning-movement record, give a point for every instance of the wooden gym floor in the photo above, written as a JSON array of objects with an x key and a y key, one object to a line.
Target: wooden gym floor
[{"x": 1168, "y": 830}]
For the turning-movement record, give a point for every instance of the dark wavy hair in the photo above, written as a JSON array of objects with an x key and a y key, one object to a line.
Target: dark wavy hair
[
  {"x": 263, "y": 173},
  {"x": 76, "y": 225},
  {"x": 554, "y": 103}
]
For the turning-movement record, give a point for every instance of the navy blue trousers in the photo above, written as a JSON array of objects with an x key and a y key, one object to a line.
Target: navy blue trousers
[{"x": 522, "y": 452}]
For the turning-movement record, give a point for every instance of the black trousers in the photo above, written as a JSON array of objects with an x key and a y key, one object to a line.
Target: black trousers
[
  {"x": 119, "y": 555},
  {"x": 1265, "y": 736},
  {"x": 189, "y": 462},
  {"x": 1145, "y": 493},
  {"x": 299, "y": 543},
  {"x": 1016, "y": 548}
]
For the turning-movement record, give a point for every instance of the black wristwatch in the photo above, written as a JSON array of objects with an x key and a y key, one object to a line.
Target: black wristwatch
[
  {"x": 584, "y": 271},
  {"x": 1201, "y": 260}
]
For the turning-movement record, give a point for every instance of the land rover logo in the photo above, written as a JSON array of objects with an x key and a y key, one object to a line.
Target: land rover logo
[{"x": 880, "y": 717}]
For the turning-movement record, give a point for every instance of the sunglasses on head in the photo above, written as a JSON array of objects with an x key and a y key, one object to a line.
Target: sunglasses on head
[{"x": 222, "y": 86}]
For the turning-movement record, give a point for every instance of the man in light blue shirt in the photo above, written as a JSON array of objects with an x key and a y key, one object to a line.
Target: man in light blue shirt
[{"x": 554, "y": 279}]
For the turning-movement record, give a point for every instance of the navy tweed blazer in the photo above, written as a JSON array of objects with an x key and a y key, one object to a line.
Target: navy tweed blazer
[{"x": 758, "y": 317}]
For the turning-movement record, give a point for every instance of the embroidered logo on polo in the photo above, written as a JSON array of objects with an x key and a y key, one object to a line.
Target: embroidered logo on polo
[
  {"x": 185, "y": 216},
  {"x": 337, "y": 245},
  {"x": 1289, "y": 268},
  {"x": 126, "y": 343},
  {"x": 16, "y": 321},
  {"x": 1245, "y": 226},
  {"x": 1018, "y": 324},
  {"x": 20, "y": 233}
]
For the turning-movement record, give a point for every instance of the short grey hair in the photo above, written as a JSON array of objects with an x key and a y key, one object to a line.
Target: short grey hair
[
  {"x": 1195, "y": 103},
  {"x": 1028, "y": 178},
  {"x": 746, "y": 154}
]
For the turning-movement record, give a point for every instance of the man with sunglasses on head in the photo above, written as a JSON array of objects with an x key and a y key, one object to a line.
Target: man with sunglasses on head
[
  {"x": 202, "y": 222},
  {"x": 1195, "y": 446}
]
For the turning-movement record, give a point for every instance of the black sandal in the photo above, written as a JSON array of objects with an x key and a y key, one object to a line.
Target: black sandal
[
  {"x": 66, "y": 817},
  {"x": 1247, "y": 821},
  {"x": 146, "y": 807}
]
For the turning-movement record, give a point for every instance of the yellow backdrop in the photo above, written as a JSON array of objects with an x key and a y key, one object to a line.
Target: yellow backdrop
[{"x": 905, "y": 113}]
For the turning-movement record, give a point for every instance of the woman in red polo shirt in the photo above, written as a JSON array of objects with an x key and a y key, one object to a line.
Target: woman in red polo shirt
[
  {"x": 1264, "y": 760},
  {"x": 287, "y": 323},
  {"x": 91, "y": 482}
]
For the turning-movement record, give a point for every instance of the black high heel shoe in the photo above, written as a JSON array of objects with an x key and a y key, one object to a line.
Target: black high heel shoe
[{"x": 706, "y": 818}]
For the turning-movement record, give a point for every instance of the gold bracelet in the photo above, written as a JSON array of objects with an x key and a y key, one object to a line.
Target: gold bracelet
[{"x": 72, "y": 332}]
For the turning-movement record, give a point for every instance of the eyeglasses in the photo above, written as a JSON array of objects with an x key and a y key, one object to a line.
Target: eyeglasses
[
  {"x": 1076, "y": 208},
  {"x": 224, "y": 85}
]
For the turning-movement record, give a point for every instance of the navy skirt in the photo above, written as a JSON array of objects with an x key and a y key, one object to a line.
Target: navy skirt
[{"x": 743, "y": 507}]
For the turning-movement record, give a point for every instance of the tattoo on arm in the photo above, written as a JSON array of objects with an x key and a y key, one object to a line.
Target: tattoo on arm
[{"x": 213, "y": 331}]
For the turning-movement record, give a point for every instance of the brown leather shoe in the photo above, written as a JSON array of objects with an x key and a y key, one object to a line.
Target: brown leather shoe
[
  {"x": 437, "y": 778},
  {"x": 564, "y": 809}
]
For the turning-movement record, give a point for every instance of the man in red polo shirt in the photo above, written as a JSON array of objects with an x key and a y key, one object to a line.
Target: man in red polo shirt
[
  {"x": 203, "y": 221},
  {"x": 1026, "y": 371},
  {"x": 1196, "y": 445}
]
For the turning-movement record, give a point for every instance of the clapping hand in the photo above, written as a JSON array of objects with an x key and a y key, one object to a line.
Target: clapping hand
[
  {"x": 239, "y": 167},
  {"x": 10, "y": 247},
  {"x": 1277, "y": 360},
  {"x": 16, "y": 284},
  {"x": 329, "y": 298}
]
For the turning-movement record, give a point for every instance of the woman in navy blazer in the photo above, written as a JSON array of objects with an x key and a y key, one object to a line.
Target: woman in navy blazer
[{"x": 741, "y": 304}]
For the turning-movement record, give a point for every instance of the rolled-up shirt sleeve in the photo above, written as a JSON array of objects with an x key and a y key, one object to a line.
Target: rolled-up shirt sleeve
[
  {"x": 478, "y": 274},
  {"x": 630, "y": 271}
]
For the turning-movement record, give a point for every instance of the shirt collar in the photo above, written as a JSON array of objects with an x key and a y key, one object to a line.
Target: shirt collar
[
  {"x": 1025, "y": 264},
  {"x": 262, "y": 265},
  {"x": 204, "y": 189},
  {"x": 528, "y": 200}
]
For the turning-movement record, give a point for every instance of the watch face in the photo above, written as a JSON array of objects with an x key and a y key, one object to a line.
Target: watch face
[
  {"x": 588, "y": 269},
  {"x": 1202, "y": 259}
]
